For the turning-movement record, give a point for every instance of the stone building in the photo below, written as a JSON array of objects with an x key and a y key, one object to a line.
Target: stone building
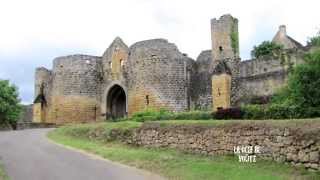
[{"x": 155, "y": 74}]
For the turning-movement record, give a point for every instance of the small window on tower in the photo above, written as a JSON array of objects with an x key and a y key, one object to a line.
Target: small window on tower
[
  {"x": 220, "y": 48},
  {"x": 219, "y": 93},
  {"x": 121, "y": 63},
  {"x": 147, "y": 100},
  {"x": 110, "y": 64}
]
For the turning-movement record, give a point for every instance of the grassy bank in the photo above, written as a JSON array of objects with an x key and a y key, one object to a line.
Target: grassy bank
[
  {"x": 3, "y": 175},
  {"x": 174, "y": 164}
]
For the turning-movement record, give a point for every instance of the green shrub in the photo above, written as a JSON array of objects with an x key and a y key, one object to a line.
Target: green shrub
[
  {"x": 279, "y": 111},
  {"x": 191, "y": 115},
  {"x": 266, "y": 48},
  {"x": 314, "y": 41},
  {"x": 253, "y": 112},
  {"x": 162, "y": 114},
  {"x": 301, "y": 97}
]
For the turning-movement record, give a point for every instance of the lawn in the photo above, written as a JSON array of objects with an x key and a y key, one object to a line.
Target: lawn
[
  {"x": 3, "y": 175},
  {"x": 177, "y": 165}
]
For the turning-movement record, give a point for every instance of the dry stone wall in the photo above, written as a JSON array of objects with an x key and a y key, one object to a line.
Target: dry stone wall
[{"x": 298, "y": 145}]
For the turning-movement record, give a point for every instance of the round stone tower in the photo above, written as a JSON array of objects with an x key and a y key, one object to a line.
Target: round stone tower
[
  {"x": 158, "y": 76},
  {"x": 75, "y": 83}
]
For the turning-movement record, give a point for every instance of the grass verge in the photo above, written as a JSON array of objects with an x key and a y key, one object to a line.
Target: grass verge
[
  {"x": 176, "y": 165},
  {"x": 3, "y": 175}
]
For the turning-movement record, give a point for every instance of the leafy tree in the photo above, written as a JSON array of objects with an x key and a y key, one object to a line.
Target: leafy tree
[
  {"x": 266, "y": 48},
  {"x": 302, "y": 91},
  {"x": 314, "y": 41},
  {"x": 9, "y": 103}
]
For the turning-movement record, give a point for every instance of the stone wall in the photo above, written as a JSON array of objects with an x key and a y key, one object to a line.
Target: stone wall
[
  {"x": 43, "y": 79},
  {"x": 114, "y": 67},
  {"x": 26, "y": 114},
  {"x": 75, "y": 86},
  {"x": 224, "y": 36},
  {"x": 221, "y": 91},
  {"x": 26, "y": 119},
  {"x": 154, "y": 73},
  {"x": 298, "y": 144},
  {"x": 202, "y": 88},
  {"x": 158, "y": 76},
  {"x": 265, "y": 76}
]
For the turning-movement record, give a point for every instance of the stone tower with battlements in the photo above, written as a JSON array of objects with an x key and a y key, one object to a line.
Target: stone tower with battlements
[
  {"x": 224, "y": 37},
  {"x": 225, "y": 55}
]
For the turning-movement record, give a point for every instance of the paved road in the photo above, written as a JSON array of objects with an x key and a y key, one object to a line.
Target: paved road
[{"x": 28, "y": 155}]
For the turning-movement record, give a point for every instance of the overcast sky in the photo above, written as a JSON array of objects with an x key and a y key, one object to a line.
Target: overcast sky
[{"x": 33, "y": 32}]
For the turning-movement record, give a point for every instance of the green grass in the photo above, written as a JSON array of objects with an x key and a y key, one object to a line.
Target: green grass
[
  {"x": 3, "y": 175},
  {"x": 162, "y": 114},
  {"x": 174, "y": 164},
  {"x": 287, "y": 122}
]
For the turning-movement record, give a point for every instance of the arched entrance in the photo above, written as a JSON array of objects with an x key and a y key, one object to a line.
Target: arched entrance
[{"x": 116, "y": 102}]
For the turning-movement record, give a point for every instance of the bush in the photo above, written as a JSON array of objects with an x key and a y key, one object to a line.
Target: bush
[
  {"x": 266, "y": 48},
  {"x": 314, "y": 41},
  {"x": 162, "y": 114},
  {"x": 228, "y": 113},
  {"x": 301, "y": 97},
  {"x": 253, "y": 112},
  {"x": 279, "y": 111},
  {"x": 191, "y": 115}
]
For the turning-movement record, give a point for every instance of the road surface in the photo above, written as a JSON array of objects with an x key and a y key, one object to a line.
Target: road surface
[{"x": 29, "y": 155}]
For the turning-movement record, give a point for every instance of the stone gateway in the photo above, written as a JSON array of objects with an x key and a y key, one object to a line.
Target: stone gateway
[{"x": 155, "y": 74}]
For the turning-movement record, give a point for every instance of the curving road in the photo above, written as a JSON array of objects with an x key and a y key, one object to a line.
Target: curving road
[{"x": 29, "y": 155}]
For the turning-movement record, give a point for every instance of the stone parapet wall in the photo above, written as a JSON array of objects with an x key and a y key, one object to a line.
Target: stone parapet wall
[{"x": 298, "y": 145}]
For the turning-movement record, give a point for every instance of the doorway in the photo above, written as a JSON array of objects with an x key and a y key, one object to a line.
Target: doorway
[{"x": 116, "y": 103}]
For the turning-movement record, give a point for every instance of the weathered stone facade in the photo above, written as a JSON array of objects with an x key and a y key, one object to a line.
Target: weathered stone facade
[{"x": 155, "y": 74}]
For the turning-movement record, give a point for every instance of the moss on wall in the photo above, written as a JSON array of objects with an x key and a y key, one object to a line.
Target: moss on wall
[{"x": 234, "y": 36}]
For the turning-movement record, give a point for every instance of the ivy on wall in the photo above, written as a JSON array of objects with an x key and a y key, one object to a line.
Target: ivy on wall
[{"x": 234, "y": 37}]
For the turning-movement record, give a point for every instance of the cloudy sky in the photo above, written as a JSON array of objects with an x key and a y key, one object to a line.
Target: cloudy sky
[{"x": 33, "y": 32}]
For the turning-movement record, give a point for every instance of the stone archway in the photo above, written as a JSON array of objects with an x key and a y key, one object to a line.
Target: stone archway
[{"x": 116, "y": 103}]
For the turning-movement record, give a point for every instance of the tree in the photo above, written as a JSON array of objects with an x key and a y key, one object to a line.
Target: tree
[
  {"x": 302, "y": 90},
  {"x": 9, "y": 103},
  {"x": 266, "y": 48},
  {"x": 314, "y": 41}
]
